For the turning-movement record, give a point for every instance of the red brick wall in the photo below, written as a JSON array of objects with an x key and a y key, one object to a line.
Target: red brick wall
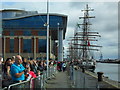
[
  {"x": 21, "y": 45},
  {"x": 32, "y": 45},
  {"x": 6, "y": 33},
  {"x": 34, "y": 32},
  {"x": 7, "y": 45},
  {"x": 37, "y": 45},
  {"x": 16, "y": 45},
  {"x": 18, "y": 33}
]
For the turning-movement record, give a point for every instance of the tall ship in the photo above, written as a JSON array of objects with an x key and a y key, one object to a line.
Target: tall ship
[{"x": 83, "y": 43}]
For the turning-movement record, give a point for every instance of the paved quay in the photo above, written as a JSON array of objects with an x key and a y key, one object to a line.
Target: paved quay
[
  {"x": 60, "y": 80},
  {"x": 106, "y": 83},
  {"x": 79, "y": 80}
]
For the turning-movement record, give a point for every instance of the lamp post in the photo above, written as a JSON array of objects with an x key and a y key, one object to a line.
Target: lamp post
[
  {"x": 58, "y": 42},
  {"x": 47, "y": 35}
]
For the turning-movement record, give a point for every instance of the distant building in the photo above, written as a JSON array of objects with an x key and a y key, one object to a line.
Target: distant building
[{"x": 24, "y": 33}]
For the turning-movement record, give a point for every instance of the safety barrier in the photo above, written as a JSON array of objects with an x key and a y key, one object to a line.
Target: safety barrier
[
  {"x": 5, "y": 88},
  {"x": 34, "y": 83},
  {"x": 20, "y": 86},
  {"x": 80, "y": 79}
]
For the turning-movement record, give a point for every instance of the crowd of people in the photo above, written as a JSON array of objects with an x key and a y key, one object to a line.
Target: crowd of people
[
  {"x": 61, "y": 66},
  {"x": 17, "y": 69}
]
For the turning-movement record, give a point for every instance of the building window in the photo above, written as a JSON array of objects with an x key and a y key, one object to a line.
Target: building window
[
  {"x": 11, "y": 45},
  {"x": 42, "y": 33},
  {"x": 27, "y": 46},
  {"x": 42, "y": 45},
  {"x": 27, "y": 33},
  {"x": 11, "y": 33}
]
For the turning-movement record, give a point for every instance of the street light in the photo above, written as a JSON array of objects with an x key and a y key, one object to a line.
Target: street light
[
  {"x": 58, "y": 41},
  {"x": 47, "y": 35}
]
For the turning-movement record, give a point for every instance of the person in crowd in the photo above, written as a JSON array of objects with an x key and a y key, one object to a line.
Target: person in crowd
[
  {"x": 61, "y": 65},
  {"x": 6, "y": 67},
  {"x": 24, "y": 62},
  {"x": 64, "y": 66},
  {"x": 45, "y": 64},
  {"x": 17, "y": 70},
  {"x": 35, "y": 66},
  {"x": 54, "y": 63},
  {"x": 32, "y": 66},
  {"x": 50, "y": 61},
  {"x": 27, "y": 64},
  {"x": 13, "y": 59},
  {"x": 6, "y": 81},
  {"x": 30, "y": 74},
  {"x": 76, "y": 64},
  {"x": 58, "y": 66},
  {"x": 1, "y": 60},
  {"x": 1, "y": 64},
  {"x": 41, "y": 66},
  {"x": 38, "y": 73}
]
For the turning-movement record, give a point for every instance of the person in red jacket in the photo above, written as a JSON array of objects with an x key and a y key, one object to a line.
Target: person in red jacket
[{"x": 30, "y": 74}]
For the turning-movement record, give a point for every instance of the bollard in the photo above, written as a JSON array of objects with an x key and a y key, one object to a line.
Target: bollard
[
  {"x": 100, "y": 76},
  {"x": 83, "y": 69}
]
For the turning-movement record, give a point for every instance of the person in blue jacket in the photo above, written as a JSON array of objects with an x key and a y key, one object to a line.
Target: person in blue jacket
[{"x": 17, "y": 70}]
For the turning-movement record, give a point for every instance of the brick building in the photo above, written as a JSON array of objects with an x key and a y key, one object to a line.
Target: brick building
[{"x": 24, "y": 33}]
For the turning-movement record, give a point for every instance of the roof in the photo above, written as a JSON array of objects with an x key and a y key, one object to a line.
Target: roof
[
  {"x": 40, "y": 14},
  {"x": 6, "y": 10}
]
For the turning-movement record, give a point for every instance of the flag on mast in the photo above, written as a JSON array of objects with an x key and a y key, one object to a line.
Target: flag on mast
[{"x": 88, "y": 43}]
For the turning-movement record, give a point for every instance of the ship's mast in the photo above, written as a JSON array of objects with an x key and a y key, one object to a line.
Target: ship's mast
[
  {"x": 86, "y": 36},
  {"x": 86, "y": 25}
]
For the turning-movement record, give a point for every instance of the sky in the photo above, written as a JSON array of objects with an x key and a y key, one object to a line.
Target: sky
[{"x": 105, "y": 21}]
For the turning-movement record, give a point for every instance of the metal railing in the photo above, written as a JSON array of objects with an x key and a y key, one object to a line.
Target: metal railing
[
  {"x": 39, "y": 82},
  {"x": 20, "y": 86},
  {"x": 80, "y": 79}
]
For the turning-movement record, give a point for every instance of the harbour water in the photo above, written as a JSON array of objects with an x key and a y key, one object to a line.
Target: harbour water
[{"x": 110, "y": 70}]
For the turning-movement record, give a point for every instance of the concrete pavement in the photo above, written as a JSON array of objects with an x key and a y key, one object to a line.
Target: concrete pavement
[{"x": 61, "y": 80}]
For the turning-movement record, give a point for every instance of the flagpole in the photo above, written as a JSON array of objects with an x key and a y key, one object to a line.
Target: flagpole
[{"x": 47, "y": 36}]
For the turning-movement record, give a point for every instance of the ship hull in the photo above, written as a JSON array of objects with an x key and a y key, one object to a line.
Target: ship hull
[{"x": 90, "y": 66}]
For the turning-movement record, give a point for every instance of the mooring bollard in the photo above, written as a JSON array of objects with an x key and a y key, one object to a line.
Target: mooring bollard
[
  {"x": 83, "y": 69},
  {"x": 100, "y": 76}
]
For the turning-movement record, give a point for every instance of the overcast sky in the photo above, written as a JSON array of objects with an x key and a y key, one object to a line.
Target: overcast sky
[{"x": 105, "y": 22}]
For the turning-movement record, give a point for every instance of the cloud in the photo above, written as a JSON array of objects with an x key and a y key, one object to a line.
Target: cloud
[{"x": 106, "y": 23}]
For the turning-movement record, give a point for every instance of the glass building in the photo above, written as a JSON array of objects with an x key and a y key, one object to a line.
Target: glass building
[{"x": 25, "y": 33}]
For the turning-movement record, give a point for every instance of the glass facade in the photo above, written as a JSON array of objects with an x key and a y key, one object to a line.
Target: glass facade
[
  {"x": 27, "y": 33},
  {"x": 42, "y": 45},
  {"x": 42, "y": 33},
  {"x": 33, "y": 21},
  {"x": 11, "y": 33},
  {"x": 11, "y": 45},
  {"x": 27, "y": 43}
]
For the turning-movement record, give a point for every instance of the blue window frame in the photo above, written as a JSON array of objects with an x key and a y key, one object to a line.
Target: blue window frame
[
  {"x": 11, "y": 45},
  {"x": 27, "y": 45},
  {"x": 27, "y": 33},
  {"x": 42, "y": 45},
  {"x": 42, "y": 33}
]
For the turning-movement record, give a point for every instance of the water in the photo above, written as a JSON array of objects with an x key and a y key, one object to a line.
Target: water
[{"x": 110, "y": 70}]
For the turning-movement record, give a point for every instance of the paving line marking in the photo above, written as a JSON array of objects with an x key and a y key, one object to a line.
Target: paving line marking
[
  {"x": 91, "y": 75},
  {"x": 111, "y": 84}
]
